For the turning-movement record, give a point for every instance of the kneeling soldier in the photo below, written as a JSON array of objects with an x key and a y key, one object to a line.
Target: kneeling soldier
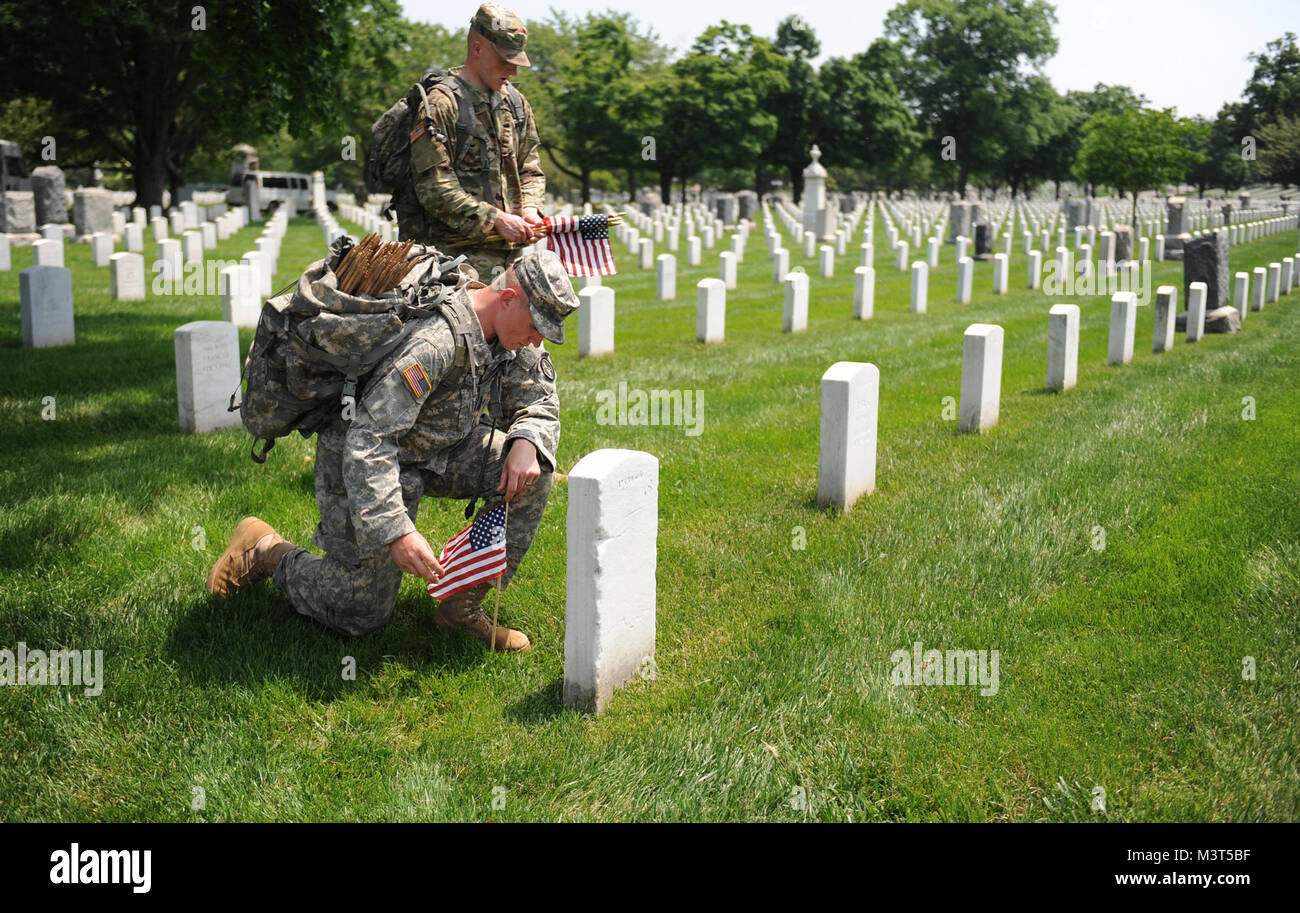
[{"x": 417, "y": 432}]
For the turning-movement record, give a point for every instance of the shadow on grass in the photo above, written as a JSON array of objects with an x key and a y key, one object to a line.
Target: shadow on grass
[
  {"x": 255, "y": 637},
  {"x": 543, "y": 705}
]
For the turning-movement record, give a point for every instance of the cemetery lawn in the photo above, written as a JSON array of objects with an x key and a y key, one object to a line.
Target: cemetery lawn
[{"x": 1120, "y": 667}]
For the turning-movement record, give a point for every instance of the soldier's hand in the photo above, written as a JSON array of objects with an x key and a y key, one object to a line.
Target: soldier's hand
[
  {"x": 513, "y": 229},
  {"x": 533, "y": 218},
  {"x": 521, "y": 469},
  {"x": 412, "y": 554}
]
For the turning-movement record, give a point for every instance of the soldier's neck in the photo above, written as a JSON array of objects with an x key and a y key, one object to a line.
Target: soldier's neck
[{"x": 485, "y": 309}]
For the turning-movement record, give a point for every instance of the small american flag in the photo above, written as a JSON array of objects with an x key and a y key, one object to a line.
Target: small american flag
[
  {"x": 475, "y": 554},
  {"x": 582, "y": 243}
]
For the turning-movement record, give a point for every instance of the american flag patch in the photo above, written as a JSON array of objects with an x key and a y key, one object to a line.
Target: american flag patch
[
  {"x": 418, "y": 131},
  {"x": 416, "y": 379}
]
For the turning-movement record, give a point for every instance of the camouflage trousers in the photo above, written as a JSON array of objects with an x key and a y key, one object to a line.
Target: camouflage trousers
[{"x": 354, "y": 592}]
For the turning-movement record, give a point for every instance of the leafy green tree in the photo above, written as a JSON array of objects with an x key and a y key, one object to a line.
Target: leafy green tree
[
  {"x": 1273, "y": 91},
  {"x": 146, "y": 82},
  {"x": 1133, "y": 151},
  {"x": 1219, "y": 144},
  {"x": 961, "y": 62},
  {"x": 1279, "y": 151},
  {"x": 1102, "y": 99},
  {"x": 865, "y": 126},
  {"x": 706, "y": 111},
  {"x": 794, "y": 105}
]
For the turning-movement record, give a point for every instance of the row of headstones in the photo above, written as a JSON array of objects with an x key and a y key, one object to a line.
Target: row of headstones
[
  {"x": 45, "y": 288},
  {"x": 369, "y": 220},
  {"x": 596, "y": 317},
  {"x": 851, "y": 390}
]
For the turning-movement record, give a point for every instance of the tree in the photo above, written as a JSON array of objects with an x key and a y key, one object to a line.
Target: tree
[
  {"x": 1103, "y": 99},
  {"x": 1219, "y": 143},
  {"x": 706, "y": 109},
  {"x": 1136, "y": 150},
  {"x": 866, "y": 126},
  {"x": 1279, "y": 151},
  {"x": 794, "y": 105},
  {"x": 961, "y": 62},
  {"x": 146, "y": 82},
  {"x": 1273, "y": 91}
]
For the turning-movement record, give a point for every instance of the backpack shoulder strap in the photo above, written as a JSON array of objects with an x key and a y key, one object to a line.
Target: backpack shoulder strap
[
  {"x": 465, "y": 127},
  {"x": 516, "y": 99}
]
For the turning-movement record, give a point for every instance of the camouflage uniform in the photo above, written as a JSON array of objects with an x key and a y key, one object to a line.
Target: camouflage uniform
[
  {"x": 461, "y": 198},
  {"x": 371, "y": 473}
]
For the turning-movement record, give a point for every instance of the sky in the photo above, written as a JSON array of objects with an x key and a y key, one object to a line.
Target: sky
[{"x": 1189, "y": 54}]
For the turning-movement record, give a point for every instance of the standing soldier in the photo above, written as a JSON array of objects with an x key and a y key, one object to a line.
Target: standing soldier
[{"x": 475, "y": 162}]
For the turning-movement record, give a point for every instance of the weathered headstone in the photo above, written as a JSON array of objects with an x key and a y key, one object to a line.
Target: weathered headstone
[
  {"x": 983, "y": 241},
  {"x": 666, "y": 277},
  {"x": 1062, "y": 347},
  {"x": 710, "y": 310},
  {"x": 207, "y": 372},
  {"x": 981, "y": 377},
  {"x": 1123, "y": 242},
  {"x": 596, "y": 321},
  {"x": 1259, "y": 279},
  {"x": 49, "y": 189},
  {"x": 1035, "y": 268},
  {"x": 45, "y": 296},
  {"x": 1223, "y": 320},
  {"x": 17, "y": 211},
  {"x": 1001, "y": 280},
  {"x": 959, "y": 224},
  {"x": 846, "y": 465},
  {"x": 1177, "y": 223},
  {"x": 613, "y": 525},
  {"x": 693, "y": 250},
  {"x": 1123, "y": 326},
  {"x": 1205, "y": 259},
  {"x": 826, "y": 263},
  {"x": 92, "y": 211},
  {"x": 126, "y": 276},
  {"x": 5, "y": 259}
]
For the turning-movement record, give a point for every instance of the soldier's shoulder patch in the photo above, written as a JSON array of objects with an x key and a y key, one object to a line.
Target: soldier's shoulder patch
[
  {"x": 418, "y": 131},
  {"x": 415, "y": 378},
  {"x": 548, "y": 369}
]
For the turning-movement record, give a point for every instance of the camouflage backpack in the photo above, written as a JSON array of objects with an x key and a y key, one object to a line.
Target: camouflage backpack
[
  {"x": 388, "y": 160},
  {"x": 315, "y": 346}
]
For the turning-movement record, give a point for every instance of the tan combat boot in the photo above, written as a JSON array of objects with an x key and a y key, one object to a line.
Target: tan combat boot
[
  {"x": 255, "y": 549},
  {"x": 461, "y": 612}
]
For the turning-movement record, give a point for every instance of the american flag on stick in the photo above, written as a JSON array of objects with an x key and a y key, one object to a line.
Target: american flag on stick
[
  {"x": 582, "y": 243},
  {"x": 475, "y": 554}
]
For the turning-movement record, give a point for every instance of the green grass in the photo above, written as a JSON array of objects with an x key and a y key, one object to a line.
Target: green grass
[{"x": 1119, "y": 667}]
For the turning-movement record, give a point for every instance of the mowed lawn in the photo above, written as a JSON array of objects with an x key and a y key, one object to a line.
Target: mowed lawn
[{"x": 1120, "y": 667}]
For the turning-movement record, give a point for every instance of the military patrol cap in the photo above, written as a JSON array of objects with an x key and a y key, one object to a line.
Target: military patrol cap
[
  {"x": 505, "y": 30},
  {"x": 550, "y": 294}
]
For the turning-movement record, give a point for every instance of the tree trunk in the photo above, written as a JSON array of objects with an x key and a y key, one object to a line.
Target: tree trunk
[
  {"x": 796, "y": 183},
  {"x": 665, "y": 184},
  {"x": 586, "y": 185}
]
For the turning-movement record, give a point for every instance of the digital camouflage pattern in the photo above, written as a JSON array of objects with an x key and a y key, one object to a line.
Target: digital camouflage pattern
[
  {"x": 410, "y": 439},
  {"x": 461, "y": 198}
]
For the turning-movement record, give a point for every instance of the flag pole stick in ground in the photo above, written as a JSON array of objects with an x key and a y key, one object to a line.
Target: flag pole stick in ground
[{"x": 497, "y": 607}]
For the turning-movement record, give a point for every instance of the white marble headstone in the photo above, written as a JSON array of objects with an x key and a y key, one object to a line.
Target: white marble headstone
[
  {"x": 45, "y": 296},
  {"x": 981, "y": 377},
  {"x": 207, "y": 373},
  {"x": 612, "y": 530},
  {"x": 595, "y": 321},
  {"x": 710, "y": 310},
  {"x": 126, "y": 276},
  {"x": 846, "y": 465}
]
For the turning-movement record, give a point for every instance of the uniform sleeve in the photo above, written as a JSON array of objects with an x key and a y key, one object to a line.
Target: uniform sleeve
[
  {"x": 390, "y": 406},
  {"x": 532, "y": 405},
  {"x": 532, "y": 182},
  {"x": 436, "y": 185}
]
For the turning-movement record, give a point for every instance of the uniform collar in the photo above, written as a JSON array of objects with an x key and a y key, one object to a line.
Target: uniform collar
[{"x": 480, "y": 94}]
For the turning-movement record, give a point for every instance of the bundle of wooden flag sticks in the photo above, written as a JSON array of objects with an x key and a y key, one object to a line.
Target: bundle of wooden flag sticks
[{"x": 373, "y": 266}]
